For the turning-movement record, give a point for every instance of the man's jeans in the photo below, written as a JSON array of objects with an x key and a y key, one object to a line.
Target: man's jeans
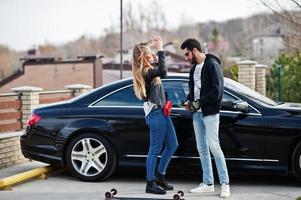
[
  {"x": 206, "y": 134},
  {"x": 161, "y": 130}
]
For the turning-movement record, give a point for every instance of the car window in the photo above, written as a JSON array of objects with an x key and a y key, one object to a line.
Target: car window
[
  {"x": 176, "y": 90},
  {"x": 123, "y": 97},
  {"x": 228, "y": 97}
]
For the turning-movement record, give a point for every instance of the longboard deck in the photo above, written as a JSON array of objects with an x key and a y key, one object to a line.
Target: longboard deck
[
  {"x": 136, "y": 198},
  {"x": 110, "y": 195}
]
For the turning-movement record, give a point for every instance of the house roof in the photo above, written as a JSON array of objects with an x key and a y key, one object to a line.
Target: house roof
[
  {"x": 176, "y": 56},
  {"x": 270, "y": 31}
]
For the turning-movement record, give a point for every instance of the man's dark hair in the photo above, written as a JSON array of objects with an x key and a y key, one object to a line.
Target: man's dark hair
[{"x": 190, "y": 44}]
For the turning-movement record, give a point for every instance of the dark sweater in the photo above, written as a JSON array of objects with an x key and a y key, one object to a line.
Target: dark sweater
[{"x": 212, "y": 88}]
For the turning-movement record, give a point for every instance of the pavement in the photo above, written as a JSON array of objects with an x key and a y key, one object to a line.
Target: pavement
[{"x": 62, "y": 185}]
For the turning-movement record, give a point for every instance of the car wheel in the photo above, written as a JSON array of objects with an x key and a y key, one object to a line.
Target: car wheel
[
  {"x": 90, "y": 157},
  {"x": 297, "y": 161}
]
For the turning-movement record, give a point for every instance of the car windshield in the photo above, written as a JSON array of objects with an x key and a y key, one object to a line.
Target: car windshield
[{"x": 235, "y": 86}]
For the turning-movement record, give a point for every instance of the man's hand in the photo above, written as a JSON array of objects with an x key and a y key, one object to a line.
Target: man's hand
[{"x": 195, "y": 105}]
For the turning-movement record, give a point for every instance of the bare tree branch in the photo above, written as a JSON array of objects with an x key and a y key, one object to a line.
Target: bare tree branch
[
  {"x": 298, "y": 4},
  {"x": 289, "y": 19}
]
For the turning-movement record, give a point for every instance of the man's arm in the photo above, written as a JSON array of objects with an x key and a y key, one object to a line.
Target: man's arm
[{"x": 212, "y": 96}]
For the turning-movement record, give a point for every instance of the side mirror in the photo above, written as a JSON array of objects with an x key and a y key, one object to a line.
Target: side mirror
[
  {"x": 227, "y": 105},
  {"x": 238, "y": 105}
]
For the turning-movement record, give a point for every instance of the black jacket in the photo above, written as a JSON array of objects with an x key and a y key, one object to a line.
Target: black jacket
[
  {"x": 212, "y": 88},
  {"x": 155, "y": 93}
]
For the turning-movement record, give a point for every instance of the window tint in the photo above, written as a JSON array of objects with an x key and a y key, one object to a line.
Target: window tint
[
  {"x": 177, "y": 91},
  {"x": 228, "y": 97},
  {"x": 124, "y": 97}
]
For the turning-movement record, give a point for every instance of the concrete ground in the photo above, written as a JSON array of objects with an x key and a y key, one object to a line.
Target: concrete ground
[{"x": 61, "y": 185}]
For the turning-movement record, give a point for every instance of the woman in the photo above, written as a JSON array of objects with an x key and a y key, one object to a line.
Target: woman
[{"x": 148, "y": 87}]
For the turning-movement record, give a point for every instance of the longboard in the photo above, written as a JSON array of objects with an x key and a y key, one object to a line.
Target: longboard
[{"x": 110, "y": 195}]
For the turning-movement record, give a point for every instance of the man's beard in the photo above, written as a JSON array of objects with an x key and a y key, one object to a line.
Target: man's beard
[{"x": 193, "y": 59}]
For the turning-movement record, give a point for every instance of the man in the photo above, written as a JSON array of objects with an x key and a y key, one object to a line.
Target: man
[{"x": 206, "y": 85}]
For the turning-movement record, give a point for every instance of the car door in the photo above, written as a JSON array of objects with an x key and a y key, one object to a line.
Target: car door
[
  {"x": 242, "y": 135},
  {"x": 124, "y": 112},
  {"x": 186, "y": 155}
]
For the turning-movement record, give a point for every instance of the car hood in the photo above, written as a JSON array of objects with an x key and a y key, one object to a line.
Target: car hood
[{"x": 293, "y": 108}]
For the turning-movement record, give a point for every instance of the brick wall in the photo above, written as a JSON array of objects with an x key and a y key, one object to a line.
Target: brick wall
[
  {"x": 10, "y": 153},
  {"x": 246, "y": 73},
  {"x": 252, "y": 75},
  {"x": 260, "y": 78}
]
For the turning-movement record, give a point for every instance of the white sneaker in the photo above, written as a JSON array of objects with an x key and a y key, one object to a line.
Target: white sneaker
[
  {"x": 203, "y": 188},
  {"x": 225, "y": 190}
]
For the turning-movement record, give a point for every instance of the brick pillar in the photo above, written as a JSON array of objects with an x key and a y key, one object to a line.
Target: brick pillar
[
  {"x": 78, "y": 89},
  {"x": 260, "y": 71},
  {"x": 246, "y": 73},
  {"x": 98, "y": 72},
  {"x": 30, "y": 99}
]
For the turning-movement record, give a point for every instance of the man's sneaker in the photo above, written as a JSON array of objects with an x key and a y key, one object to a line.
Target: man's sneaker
[
  {"x": 203, "y": 188},
  {"x": 225, "y": 190}
]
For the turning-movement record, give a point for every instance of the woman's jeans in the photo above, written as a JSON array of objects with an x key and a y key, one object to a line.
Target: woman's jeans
[
  {"x": 206, "y": 134},
  {"x": 161, "y": 131}
]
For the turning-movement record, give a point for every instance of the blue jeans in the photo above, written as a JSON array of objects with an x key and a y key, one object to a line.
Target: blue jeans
[
  {"x": 161, "y": 131},
  {"x": 206, "y": 134}
]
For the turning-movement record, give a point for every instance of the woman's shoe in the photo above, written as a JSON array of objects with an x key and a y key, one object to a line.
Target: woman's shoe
[
  {"x": 152, "y": 187},
  {"x": 161, "y": 181}
]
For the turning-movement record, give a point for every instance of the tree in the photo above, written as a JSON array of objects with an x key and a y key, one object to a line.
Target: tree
[
  {"x": 288, "y": 14},
  {"x": 290, "y": 79},
  {"x": 47, "y": 49},
  {"x": 143, "y": 20},
  {"x": 5, "y": 64}
]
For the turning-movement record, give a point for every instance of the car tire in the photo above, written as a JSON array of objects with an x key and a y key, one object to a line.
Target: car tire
[
  {"x": 296, "y": 161},
  {"x": 90, "y": 157}
]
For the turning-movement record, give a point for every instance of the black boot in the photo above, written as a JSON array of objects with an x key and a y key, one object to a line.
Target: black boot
[
  {"x": 152, "y": 187},
  {"x": 161, "y": 181}
]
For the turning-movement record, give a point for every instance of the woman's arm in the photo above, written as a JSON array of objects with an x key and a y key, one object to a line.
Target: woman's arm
[
  {"x": 157, "y": 43},
  {"x": 160, "y": 71}
]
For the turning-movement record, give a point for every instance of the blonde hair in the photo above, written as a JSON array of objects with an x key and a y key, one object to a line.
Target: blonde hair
[{"x": 140, "y": 68}]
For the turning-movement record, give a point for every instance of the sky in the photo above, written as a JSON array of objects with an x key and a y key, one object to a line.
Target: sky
[{"x": 25, "y": 23}]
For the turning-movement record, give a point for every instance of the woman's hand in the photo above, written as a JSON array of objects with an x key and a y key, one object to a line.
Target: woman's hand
[
  {"x": 186, "y": 106},
  {"x": 156, "y": 43}
]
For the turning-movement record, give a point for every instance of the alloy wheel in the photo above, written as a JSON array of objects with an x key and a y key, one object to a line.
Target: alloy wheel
[{"x": 89, "y": 157}]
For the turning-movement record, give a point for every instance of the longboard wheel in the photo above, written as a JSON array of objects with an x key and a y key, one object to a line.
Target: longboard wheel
[
  {"x": 114, "y": 191},
  {"x": 108, "y": 195},
  {"x": 111, "y": 194},
  {"x": 176, "y": 197},
  {"x": 181, "y": 193}
]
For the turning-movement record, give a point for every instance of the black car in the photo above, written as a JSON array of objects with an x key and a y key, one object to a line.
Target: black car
[{"x": 97, "y": 132}]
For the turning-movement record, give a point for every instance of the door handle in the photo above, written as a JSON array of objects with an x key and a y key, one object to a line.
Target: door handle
[{"x": 175, "y": 115}]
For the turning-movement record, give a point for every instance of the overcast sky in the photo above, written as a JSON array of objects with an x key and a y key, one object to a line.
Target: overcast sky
[{"x": 24, "y": 23}]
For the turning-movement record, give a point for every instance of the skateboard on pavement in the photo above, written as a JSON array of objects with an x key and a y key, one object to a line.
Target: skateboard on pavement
[{"x": 110, "y": 195}]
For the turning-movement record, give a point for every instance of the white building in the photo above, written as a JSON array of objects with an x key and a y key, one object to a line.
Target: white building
[{"x": 267, "y": 46}]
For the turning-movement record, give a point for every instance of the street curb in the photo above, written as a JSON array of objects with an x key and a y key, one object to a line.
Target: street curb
[{"x": 6, "y": 183}]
